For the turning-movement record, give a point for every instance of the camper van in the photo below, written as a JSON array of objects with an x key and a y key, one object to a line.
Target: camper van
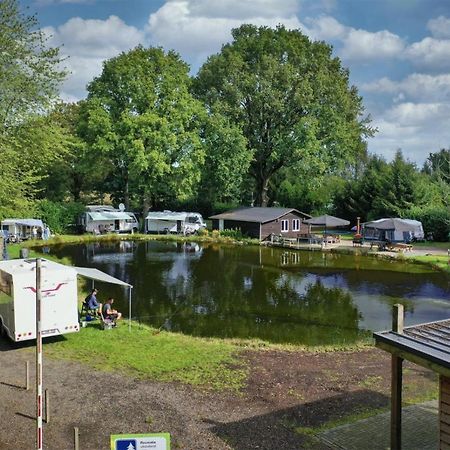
[
  {"x": 18, "y": 299},
  {"x": 166, "y": 222},
  {"x": 106, "y": 219}
]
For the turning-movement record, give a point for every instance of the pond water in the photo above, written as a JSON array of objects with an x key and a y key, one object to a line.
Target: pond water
[{"x": 273, "y": 294}]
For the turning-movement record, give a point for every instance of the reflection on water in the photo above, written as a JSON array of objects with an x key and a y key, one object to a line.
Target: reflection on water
[{"x": 272, "y": 294}]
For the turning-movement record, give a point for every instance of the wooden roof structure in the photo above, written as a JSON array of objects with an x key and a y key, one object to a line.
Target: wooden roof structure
[
  {"x": 425, "y": 344},
  {"x": 258, "y": 214},
  {"x": 428, "y": 345}
]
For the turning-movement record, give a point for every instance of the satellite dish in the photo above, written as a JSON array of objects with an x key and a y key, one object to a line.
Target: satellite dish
[{"x": 121, "y": 207}]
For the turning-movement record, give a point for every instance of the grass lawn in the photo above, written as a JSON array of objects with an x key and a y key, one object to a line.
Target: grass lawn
[
  {"x": 146, "y": 353},
  {"x": 440, "y": 262}
]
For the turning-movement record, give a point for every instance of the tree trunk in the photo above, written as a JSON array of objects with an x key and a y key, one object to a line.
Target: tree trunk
[
  {"x": 262, "y": 187},
  {"x": 146, "y": 204},
  {"x": 126, "y": 192}
]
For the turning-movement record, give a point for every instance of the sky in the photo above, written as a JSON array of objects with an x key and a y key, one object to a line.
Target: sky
[{"x": 397, "y": 51}]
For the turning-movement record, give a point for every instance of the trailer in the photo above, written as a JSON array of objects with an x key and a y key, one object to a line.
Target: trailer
[
  {"x": 165, "y": 222},
  {"x": 18, "y": 299},
  {"x": 15, "y": 230},
  {"x": 102, "y": 219}
]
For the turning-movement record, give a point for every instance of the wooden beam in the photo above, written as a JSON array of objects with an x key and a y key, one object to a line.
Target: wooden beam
[
  {"x": 396, "y": 402},
  {"x": 414, "y": 358}
]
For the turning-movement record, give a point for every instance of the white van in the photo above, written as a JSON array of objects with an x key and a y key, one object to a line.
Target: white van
[
  {"x": 173, "y": 222},
  {"x": 18, "y": 299},
  {"x": 106, "y": 219}
]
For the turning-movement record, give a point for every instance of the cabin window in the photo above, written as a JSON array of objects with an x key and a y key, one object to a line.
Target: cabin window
[
  {"x": 284, "y": 225},
  {"x": 295, "y": 224}
]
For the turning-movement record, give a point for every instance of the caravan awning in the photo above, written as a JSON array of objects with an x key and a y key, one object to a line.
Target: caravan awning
[
  {"x": 109, "y": 215},
  {"x": 98, "y": 275},
  {"x": 24, "y": 222}
]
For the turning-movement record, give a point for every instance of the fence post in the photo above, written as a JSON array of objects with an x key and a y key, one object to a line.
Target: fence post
[
  {"x": 76, "y": 439},
  {"x": 27, "y": 375}
]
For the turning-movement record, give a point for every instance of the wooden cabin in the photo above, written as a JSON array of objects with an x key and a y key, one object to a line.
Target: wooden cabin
[
  {"x": 260, "y": 223},
  {"x": 427, "y": 345}
]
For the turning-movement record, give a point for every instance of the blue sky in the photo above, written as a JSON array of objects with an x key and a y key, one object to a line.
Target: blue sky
[{"x": 398, "y": 51}]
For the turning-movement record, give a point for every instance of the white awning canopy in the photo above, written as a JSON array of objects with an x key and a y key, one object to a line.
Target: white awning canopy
[{"x": 98, "y": 275}]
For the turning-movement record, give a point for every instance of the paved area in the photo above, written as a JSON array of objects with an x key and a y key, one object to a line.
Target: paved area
[{"x": 419, "y": 431}]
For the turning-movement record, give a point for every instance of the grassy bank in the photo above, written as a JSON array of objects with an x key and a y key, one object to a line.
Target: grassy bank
[
  {"x": 83, "y": 238},
  {"x": 146, "y": 353}
]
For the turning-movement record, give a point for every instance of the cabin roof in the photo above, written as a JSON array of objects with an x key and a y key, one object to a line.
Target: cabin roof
[
  {"x": 258, "y": 214},
  {"x": 428, "y": 342}
]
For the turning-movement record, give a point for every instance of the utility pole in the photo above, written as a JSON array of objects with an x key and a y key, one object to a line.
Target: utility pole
[{"x": 39, "y": 443}]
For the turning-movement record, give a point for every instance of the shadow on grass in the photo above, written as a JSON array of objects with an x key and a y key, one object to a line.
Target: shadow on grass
[{"x": 276, "y": 430}]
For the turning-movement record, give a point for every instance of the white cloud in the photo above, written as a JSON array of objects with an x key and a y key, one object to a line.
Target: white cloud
[
  {"x": 416, "y": 128},
  {"x": 416, "y": 87},
  {"x": 88, "y": 43},
  {"x": 327, "y": 27},
  {"x": 430, "y": 54},
  {"x": 440, "y": 27},
  {"x": 356, "y": 44},
  {"x": 198, "y": 28},
  {"x": 365, "y": 45}
]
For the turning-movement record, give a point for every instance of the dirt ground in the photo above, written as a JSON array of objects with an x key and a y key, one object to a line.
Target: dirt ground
[{"x": 285, "y": 390}]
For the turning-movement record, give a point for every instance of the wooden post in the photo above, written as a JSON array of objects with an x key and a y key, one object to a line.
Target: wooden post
[
  {"x": 397, "y": 318},
  {"x": 27, "y": 375},
  {"x": 396, "y": 384},
  {"x": 76, "y": 439}
]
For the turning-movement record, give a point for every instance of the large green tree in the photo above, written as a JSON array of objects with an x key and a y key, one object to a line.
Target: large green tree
[
  {"x": 140, "y": 115},
  {"x": 290, "y": 97},
  {"x": 29, "y": 76}
]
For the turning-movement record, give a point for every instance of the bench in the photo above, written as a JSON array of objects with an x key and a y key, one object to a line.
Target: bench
[{"x": 400, "y": 247}]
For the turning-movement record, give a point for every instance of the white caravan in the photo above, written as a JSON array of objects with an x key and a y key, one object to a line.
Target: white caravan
[
  {"x": 173, "y": 222},
  {"x": 21, "y": 229},
  {"x": 18, "y": 299},
  {"x": 105, "y": 219}
]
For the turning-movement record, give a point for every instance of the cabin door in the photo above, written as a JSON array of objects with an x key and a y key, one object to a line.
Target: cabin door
[
  {"x": 117, "y": 225},
  {"x": 179, "y": 226}
]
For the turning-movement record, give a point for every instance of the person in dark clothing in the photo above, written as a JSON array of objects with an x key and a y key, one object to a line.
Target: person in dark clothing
[
  {"x": 109, "y": 312},
  {"x": 92, "y": 302}
]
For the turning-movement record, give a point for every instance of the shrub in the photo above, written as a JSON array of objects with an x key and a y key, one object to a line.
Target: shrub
[
  {"x": 61, "y": 217},
  {"x": 435, "y": 221},
  {"x": 234, "y": 234}
]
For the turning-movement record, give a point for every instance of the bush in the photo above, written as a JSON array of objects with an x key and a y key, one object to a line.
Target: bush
[
  {"x": 61, "y": 217},
  {"x": 435, "y": 221},
  {"x": 234, "y": 234}
]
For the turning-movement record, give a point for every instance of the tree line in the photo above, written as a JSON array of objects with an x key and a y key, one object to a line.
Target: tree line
[{"x": 271, "y": 119}]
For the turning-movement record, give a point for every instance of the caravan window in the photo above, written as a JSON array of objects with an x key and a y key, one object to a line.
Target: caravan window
[
  {"x": 193, "y": 219},
  {"x": 5, "y": 285}
]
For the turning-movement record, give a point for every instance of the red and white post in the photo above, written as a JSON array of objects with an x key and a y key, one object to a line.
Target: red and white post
[{"x": 39, "y": 443}]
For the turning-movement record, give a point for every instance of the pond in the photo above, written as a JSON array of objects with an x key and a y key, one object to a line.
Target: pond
[{"x": 273, "y": 294}]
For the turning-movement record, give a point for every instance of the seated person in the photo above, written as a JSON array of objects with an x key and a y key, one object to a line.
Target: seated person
[
  {"x": 92, "y": 303},
  {"x": 109, "y": 312}
]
